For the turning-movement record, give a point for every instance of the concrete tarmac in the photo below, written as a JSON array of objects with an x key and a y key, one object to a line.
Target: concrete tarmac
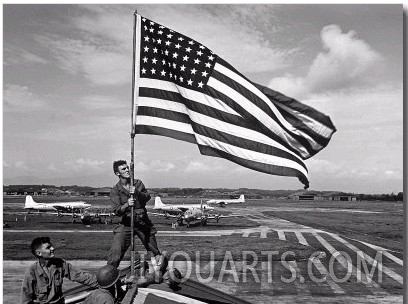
[{"x": 345, "y": 271}]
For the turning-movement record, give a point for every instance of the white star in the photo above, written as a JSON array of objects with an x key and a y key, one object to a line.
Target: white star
[
  {"x": 143, "y": 19},
  {"x": 163, "y": 73},
  {"x": 182, "y": 68},
  {"x": 154, "y": 60},
  {"x": 145, "y": 28},
  {"x": 155, "y": 50},
  {"x": 188, "y": 49},
  {"x": 158, "y": 41},
  {"x": 151, "y": 23},
  {"x": 175, "y": 55},
  {"x": 181, "y": 39},
  {"x": 151, "y": 30},
  {"x": 146, "y": 49},
  {"x": 200, "y": 84},
  {"x": 146, "y": 38},
  {"x": 199, "y": 53},
  {"x": 196, "y": 61},
  {"x": 171, "y": 75},
  {"x": 191, "y": 42},
  {"x": 166, "y": 52},
  {"x": 185, "y": 58},
  {"x": 181, "y": 79},
  {"x": 143, "y": 71},
  {"x": 169, "y": 63},
  {"x": 178, "y": 46},
  {"x": 161, "y": 26},
  {"x": 175, "y": 76},
  {"x": 202, "y": 47},
  {"x": 211, "y": 57},
  {"x": 174, "y": 65},
  {"x": 193, "y": 71},
  {"x": 208, "y": 65},
  {"x": 169, "y": 35},
  {"x": 163, "y": 62},
  {"x": 168, "y": 42},
  {"x": 204, "y": 73},
  {"x": 160, "y": 32},
  {"x": 153, "y": 71},
  {"x": 144, "y": 59},
  {"x": 190, "y": 82}
]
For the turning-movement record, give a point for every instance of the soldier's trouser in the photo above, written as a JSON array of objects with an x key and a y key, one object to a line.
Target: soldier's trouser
[{"x": 122, "y": 240}]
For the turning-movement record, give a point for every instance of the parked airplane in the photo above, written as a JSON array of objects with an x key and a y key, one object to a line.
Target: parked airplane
[
  {"x": 187, "y": 213},
  {"x": 223, "y": 202},
  {"x": 178, "y": 208},
  {"x": 87, "y": 217},
  {"x": 72, "y": 207}
]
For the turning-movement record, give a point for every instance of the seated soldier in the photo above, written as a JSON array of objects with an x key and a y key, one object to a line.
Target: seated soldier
[{"x": 43, "y": 280}]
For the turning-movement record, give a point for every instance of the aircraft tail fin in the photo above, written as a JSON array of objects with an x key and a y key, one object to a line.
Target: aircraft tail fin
[
  {"x": 242, "y": 198},
  {"x": 29, "y": 202},
  {"x": 158, "y": 203}
]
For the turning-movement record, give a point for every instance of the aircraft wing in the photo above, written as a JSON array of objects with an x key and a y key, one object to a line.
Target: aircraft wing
[
  {"x": 218, "y": 216},
  {"x": 165, "y": 215}
]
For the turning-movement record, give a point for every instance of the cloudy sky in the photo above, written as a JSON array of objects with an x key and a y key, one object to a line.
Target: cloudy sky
[{"x": 67, "y": 91}]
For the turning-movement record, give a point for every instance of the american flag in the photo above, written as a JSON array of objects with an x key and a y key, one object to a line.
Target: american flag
[{"x": 185, "y": 91}]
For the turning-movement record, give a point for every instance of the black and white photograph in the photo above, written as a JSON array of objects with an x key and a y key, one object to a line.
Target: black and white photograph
[{"x": 203, "y": 153}]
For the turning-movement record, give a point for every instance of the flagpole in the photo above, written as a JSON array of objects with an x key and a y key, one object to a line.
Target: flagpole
[{"x": 132, "y": 150}]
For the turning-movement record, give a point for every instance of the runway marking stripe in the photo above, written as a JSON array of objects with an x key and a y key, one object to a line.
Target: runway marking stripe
[
  {"x": 301, "y": 238},
  {"x": 385, "y": 253},
  {"x": 333, "y": 285},
  {"x": 281, "y": 235},
  {"x": 374, "y": 287},
  {"x": 369, "y": 259}
]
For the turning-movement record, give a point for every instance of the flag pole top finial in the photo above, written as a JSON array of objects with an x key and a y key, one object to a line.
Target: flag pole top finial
[{"x": 135, "y": 13}]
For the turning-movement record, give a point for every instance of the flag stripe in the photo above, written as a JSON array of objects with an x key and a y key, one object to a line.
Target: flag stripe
[
  {"x": 171, "y": 110},
  {"x": 256, "y": 108},
  {"x": 254, "y": 165},
  {"x": 220, "y": 136},
  {"x": 147, "y": 124},
  {"x": 267, "y": 100},
  {"x": 178, "y": 103},
  {"x": 215, "y": 119},
  {"x": 155, "y": 130},
  {"x": 169, "y": 87},
  {"x": 291, "y": 103}
]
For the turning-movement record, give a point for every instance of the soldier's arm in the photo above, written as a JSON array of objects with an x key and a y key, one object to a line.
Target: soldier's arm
[
  {"x": 27, "y": 289},
  {"x": 117, "y": 208},
  {"x": 77, "y": 275},
  {"x": 143, "y": 195}
]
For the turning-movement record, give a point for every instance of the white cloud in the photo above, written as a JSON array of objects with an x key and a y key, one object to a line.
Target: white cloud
[
  {"x": 18, "y": 56},
  {"x": 21, "y": 165},
  {"x": 196, "y": 166},
  {"x": 84, "y": 163},
  {"x": 18, "y": 98},
  {"x": 154, "y": 165},
  {"x": 53, "y": 168},
  {"x": 393, "y": 174},
  {"x": 103, "y": 53},
  {"x": 101, "y": 102},
  {"x": 347, "y": 61},
  {"x": 97, "y": 62}
]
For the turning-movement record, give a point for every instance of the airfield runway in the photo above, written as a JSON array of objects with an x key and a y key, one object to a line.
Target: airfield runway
[{"x": 339, "y": 279}]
